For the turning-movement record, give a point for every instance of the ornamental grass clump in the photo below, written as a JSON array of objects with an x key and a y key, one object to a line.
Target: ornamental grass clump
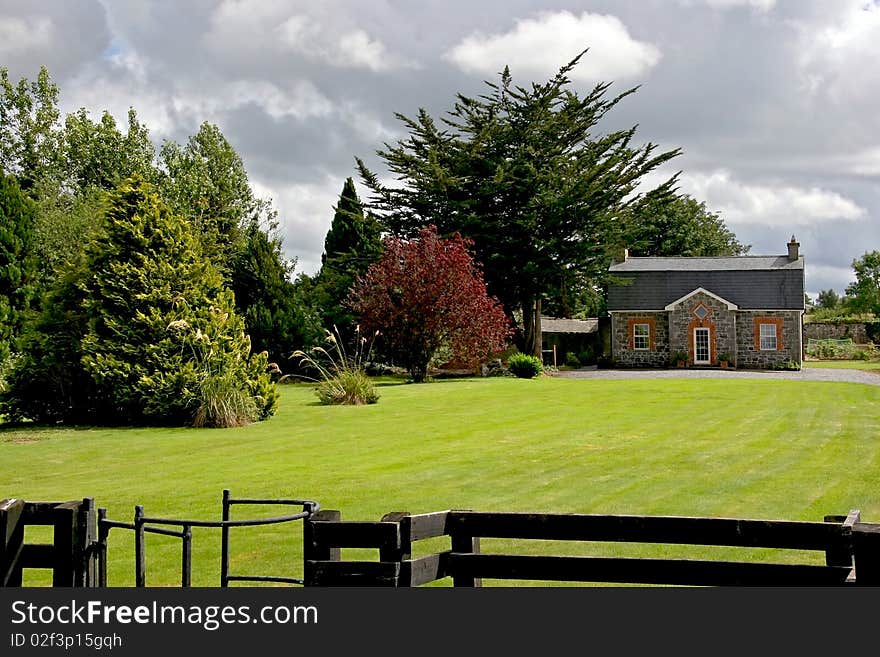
[
  {"x": 525, "y": 366},
  {"x": 342, "y": 378}
]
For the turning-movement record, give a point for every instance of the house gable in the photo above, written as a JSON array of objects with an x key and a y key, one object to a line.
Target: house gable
[{"x": 700, "y": 290}]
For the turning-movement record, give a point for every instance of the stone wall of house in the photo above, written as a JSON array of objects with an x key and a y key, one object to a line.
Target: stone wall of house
[
  {"x": 720, "y": 321},
  {"x": 749, "y": 357},
  {"x": 623, "y": 356},
  {"x": 836, "y": 331}
]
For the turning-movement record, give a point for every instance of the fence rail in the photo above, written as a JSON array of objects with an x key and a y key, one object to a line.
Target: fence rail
[
  {"x": 78, "y": 554},
  {"x": 851, "y": 550}
]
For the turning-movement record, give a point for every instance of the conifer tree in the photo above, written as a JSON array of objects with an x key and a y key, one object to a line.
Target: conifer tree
[
  {"x": 156, "y": 338},
  {"x": 352, "y": 244},
  {"x": 17, "y": 262}
]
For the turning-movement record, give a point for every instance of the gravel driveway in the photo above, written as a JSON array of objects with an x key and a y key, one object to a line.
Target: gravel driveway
[{"x": 806, "y": 374}]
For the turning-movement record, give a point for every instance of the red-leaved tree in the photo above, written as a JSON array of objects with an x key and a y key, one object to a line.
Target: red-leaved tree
[{"x": 425, "y": 294}]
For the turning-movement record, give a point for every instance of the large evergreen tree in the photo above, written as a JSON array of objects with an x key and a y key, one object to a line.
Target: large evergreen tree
[
  {"x": 153, "y": 335},
  {"x": 523, "y": 173},
  {"x": 17, "y": 262},
  {"x": 352, "y": 244}
]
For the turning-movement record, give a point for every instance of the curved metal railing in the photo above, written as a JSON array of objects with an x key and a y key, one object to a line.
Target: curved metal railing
[{"x": 144, "y": 524}]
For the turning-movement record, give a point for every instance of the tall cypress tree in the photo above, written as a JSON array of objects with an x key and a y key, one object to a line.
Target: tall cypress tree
[{"x": 353, "y": 243}]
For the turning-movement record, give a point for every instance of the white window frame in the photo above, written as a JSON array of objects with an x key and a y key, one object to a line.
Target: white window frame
[
  {"x": 765, "y": 337},
  {"x": 646, "y": 337}
]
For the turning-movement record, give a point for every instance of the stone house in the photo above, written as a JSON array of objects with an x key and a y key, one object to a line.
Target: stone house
[{"x": 748, "y": 308}]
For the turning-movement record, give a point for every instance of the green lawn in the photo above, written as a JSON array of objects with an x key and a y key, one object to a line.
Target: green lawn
[
  {"x": 748, "y": 448},
  {"x": 867, "y": 365}
]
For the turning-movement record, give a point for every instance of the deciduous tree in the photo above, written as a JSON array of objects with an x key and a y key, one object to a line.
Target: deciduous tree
[
  {"x": 424, "y": 294},
  {"x": 678, "y": 225},
  {"x": 863, "y": 294}
]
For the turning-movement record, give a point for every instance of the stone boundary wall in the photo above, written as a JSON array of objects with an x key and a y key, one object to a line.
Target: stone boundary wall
[{"x": 836, "y": 331}]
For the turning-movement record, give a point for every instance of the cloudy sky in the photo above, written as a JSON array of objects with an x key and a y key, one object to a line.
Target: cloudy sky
[{"x": 774, "y": 102}]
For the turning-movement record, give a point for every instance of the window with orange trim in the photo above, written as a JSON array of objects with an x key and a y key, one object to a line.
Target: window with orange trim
[
  {"x": 769, "y": 339},
  {"x": 641, "y": 337},
  {"x": 768, "y": 333}
]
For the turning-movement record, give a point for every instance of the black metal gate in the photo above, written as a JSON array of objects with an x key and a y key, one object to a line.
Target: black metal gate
[{"x": 79, "y": 554}]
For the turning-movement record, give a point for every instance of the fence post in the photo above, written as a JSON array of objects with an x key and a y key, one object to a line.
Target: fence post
[
  {"x": 103, "y": 532},
  {"x": 312, "y": 551},
  {"x": 66, "y": 540},
  {"x": 224, "y": 542},
  {"x": 866, "y": 554},
  {"x": 11, "y": 541},
  {"x": 841, "y": 555},
  {"x": 86, "y": 564},
  {"x": 186, "y": 557},
  {"x": 140, "y": 564},
  {"x": 465, "y": 543}
]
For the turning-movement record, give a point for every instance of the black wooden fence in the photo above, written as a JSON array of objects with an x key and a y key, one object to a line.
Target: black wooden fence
[
  {"x": 851, "y": 550},
  {"x": 70, "y": 556},
  {"x": 78, "y": 553}
]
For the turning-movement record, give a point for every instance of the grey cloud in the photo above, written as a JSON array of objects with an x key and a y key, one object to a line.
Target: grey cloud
[{"x": 732, "y": 88}]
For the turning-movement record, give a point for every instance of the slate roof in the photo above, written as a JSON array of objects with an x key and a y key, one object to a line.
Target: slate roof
[
  {"x": 751, "y": 282},
  {"x": 562, "y": 325},
  {"x": 728, "y": 263}
]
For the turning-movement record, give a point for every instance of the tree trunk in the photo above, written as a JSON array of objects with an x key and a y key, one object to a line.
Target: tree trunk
[
  {"x": 531, "y": 328},
  {"x": 539, "y": 339}
]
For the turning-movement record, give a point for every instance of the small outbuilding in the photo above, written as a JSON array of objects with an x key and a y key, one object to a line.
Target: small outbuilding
[
  {"x": 747, "y": 310},
  {"x": 563, "y": 336}
]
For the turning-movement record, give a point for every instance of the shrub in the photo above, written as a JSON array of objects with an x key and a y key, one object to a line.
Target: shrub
[
  {"x": 342, "y": 378},
  {"x": 348, "y": 386},
  {"x": 525, "y": 366},
  {"x": 571, "y": 359},
  {"x": 679, "y": 356},
  {"x": 840, "y": 350},
  {"x": 223, "y": 403},
  {"x": 587, "y": 356}
]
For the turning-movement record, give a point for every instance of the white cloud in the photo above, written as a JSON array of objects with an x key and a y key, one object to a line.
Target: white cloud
[
  {"x": 305, "y": 211},
  {"x": 300, "y": 99},
  {"x": 835, "y": 53},
  {"x": 18, "y": 34},
  {"x": 264, "y": 26},
  {"x": 865, "y": 162},
  {"x": 781, "y": 205},
  {"x": 539, "y": 46},
  {"x": 354, "y": 49}
]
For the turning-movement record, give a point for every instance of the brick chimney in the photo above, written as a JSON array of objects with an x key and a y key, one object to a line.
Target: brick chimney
[{"x": 793, "y": 247}]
